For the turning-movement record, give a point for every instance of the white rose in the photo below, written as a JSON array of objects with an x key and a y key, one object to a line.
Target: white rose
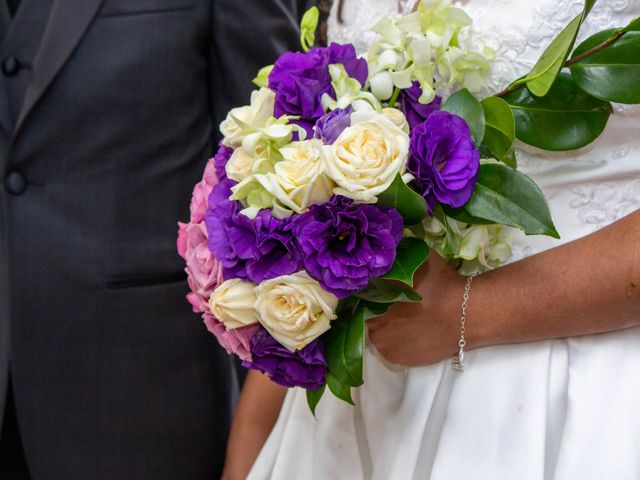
[
  {"x": 233, "y": 303},
  {"x": 398, "y": 119},
  {"x": 255, "y": 115},
  {"x": 295, "y": 309},
  {"x": 300, "y": 179},
  {"x": 239, "y": 165},
  {"x": 367, "y": 156}
]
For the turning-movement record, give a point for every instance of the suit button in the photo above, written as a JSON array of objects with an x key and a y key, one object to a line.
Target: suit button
[
  {"x": 15, "y": 183},
  {"x": 10, "y": 66}
]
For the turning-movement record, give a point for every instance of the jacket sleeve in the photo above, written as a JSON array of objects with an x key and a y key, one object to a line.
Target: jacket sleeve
[{"x": 246, "y": 36}]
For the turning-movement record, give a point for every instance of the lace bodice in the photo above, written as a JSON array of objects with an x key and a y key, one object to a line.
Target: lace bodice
[
  {"x": 586, "y": 189},
  {"x": 518, "y": 29}
]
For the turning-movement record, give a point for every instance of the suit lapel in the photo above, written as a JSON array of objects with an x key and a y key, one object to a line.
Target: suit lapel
[
  {"x": 5, "y": 118},
  {"x": 5, "y": 19},
  {"x": 68, "y": 21}
]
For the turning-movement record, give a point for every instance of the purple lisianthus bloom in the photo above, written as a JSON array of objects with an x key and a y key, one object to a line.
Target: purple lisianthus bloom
[
  {"x": 444, "y": 160},
  {"x": 300, "y": 79},
  {"x": 415, "y": 111},
  {"x": 220, "y": 159},
  {"x": 346, "y": 244},
  {"x": 251, "y": 249},
  {"x": 306, "y": 368},
  {"x": 277, "y": 251},
  {"x": 225, "y": 225},
  {"x": 329, "y": 127}
]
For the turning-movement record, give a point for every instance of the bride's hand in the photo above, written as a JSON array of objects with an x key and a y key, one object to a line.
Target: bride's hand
[
  {"x": 588, "y": 286},
  {"x": 413, "y": 334}
]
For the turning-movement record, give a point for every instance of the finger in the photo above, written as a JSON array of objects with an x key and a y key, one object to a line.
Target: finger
[{"x": 376, "y": 333}]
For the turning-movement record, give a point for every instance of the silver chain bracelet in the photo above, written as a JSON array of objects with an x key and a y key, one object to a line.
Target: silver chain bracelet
[{"x": 458, "y": 359}]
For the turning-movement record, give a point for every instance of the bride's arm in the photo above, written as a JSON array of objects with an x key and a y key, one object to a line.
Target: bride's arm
[
  {"x": 257, "y": 412},
  {"x": 591, "y": 285}
]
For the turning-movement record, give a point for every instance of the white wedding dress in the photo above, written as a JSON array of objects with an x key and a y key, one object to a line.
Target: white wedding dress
[{"x": 565, "y": 409}]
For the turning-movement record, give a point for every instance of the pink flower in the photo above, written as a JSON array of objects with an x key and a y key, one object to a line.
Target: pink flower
[
  {"x": 210, "y": 176},
  {"x": 234, "y": 341},
  {"x": 201, "y": 192},
  {"x": 199, "y": 303},
  {"x": 182, "y": 239},
  {"x": 203, "y": 269}
]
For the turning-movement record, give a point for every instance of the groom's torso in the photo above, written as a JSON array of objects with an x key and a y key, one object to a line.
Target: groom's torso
[{"x": 108, "y": 111}]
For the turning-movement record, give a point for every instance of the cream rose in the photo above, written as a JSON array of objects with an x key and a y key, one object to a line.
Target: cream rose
[
  {"x": 300, "y": 179},
  {"x": 397, "y": 118},
  {"x": 367, "y": 156},
  {"x": 233, "y": 303},
  {"x": 255, "y": 115},
  {"x": 295, "y": 309},
  {"x": 239, "y": 165}
]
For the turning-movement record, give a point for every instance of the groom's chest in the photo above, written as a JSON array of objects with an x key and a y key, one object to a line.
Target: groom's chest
[
  {"x": 20, "y": 36},
  {"x": 92, "y": 53}
]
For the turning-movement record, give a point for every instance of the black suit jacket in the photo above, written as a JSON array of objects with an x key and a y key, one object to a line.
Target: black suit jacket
[{"x": 114, "y": 376}]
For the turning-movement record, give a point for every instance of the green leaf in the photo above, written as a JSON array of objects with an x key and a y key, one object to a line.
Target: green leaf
[
  {"x": 565, "y": 119},
  {"x": 412, "y": 253},
  {"x": 262, "y": 79},
  {"x": 386, "y": 291},
  {"x": 372, "y": 310},
  {"x": 588, "y": 5},
  {"x": 548, "y": 67},
  {"x": 461, "y": 215},
  {"x": 451, "y": 243},
  {"x": 313, "y": 398},
  {"x": 505, "y": 196},
  {"x": 344, "y": 346},
  {"x": 348, "y": 306},
  {"x": 465, "y": 105},
  {"x": 613, "y": 73},
  {"x": 634, "y": 26},
  {"x": 354, "y": 346},
  {"x": 308, "y": 27},
  {"x": 544, "y": 72},
  {"x": 411, "y": 205},
  {"x": 500, "y": 131},
  {"x": 339, "y": 389}
]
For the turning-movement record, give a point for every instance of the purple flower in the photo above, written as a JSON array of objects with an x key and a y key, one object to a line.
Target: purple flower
[
  {"x": 444, "y": 160},
  {"x": 250, "y": 249},
  {"x": 346, "y": 244},
  {"x": 415, "y": 111},
  {"x": 329, "y": 127},
  {"x": 223, "y": 222},
  {"x": 220, "y": 159},
  {"x": 306, "y": 368},
  {"x": 277, "y": 251},
  {"x": 300, "y": 79}
]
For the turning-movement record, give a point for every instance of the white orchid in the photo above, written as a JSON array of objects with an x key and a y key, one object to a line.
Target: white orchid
[
  {"x": 423, "y": 46},
  {"x": 348, "y": 91},
  {"x": 479, "y": 247}
]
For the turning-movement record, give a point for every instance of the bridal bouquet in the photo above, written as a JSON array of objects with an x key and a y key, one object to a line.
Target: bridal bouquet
[{"x": 330, "y": 188}]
